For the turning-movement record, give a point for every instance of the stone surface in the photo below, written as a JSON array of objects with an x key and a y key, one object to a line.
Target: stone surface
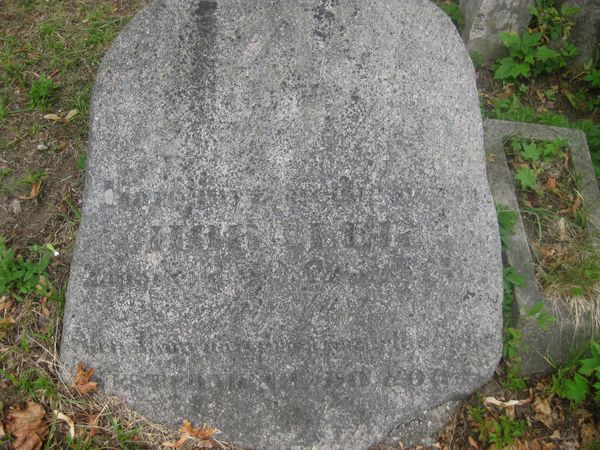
[
  {"x": 287, "y": 231},
  {"x": 486, "y": 19},
  {"x": 585, "y": 34},
  {"x": 542, "y": 348}
]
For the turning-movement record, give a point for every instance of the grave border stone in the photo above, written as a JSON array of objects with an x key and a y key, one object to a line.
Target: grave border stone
[{"x": 570, "y": 331}]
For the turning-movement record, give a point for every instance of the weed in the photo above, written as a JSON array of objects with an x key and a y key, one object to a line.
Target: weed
[
  {"x": 511, "y": 278},
  {"x": 542, "y": 49},
  {"x": 543, "y": 318},
  {"x": 3, "y": 111},
  {"x": 20, "y": 276},
  {"x": 452, "y": 10},
  {"x": 81, "y": 162},
  {"x": 579, "y": 378},
  {"x": 511, "y": 108},
  {"x": 506, "y": 430},
  {"x": 42, "y": 93},
  {"x": 33, "y": 383},
  {"x": 124, "y": 437}
]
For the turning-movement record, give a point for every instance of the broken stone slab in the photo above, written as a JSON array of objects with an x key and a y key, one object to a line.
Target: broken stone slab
[
  {"x": 287, "y": 230},
  {"x": 571, "y": 331},
  {"x": 486, "y": 19}
]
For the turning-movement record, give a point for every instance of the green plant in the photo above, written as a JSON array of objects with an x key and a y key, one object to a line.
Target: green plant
[
  {"x": 544, "y": 48},
  {"x": 501, "y": 431},
  {"x": 554, "y": 24},
  {"x": 511, "y": 279},
  {"x": 507, "y": 219},
  {"x": 124, "y": 437},
  {"x": 506, "y": 430},
  {"x": 543, "y": 318},
  {"x": 580, "y": 378},
  {"x": 20, "y": 276},
  {"x": 42, "y": 93},
  {"x": 33, "y": 383},
  {"x": 511, "y": 108},
  {"x": 3, "y": 111},
  {"x": 452, "y": 10},
  {"x": 33, "y": 177}
]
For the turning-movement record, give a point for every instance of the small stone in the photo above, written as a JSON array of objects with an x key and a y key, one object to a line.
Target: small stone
[{"x": 15, "y": 206}]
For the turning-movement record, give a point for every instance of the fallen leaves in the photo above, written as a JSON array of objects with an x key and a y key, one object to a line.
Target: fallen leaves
[
  {"x": 36, "y": 188},
  {"x": 189, "y": 432},
  {"x": 56, "y": 118},
  {"x": 27, "y": 427},
  {"x": 68, "y": 420},
  {"x": 82, "y": 382}
]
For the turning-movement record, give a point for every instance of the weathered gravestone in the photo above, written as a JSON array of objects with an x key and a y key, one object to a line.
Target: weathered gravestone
[{"x": 287, "y": 231}]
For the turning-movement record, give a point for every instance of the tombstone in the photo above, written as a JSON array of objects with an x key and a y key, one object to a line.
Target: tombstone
[
  {"x": 485, "y": 20},
  {"x": 287, "y": 230}
]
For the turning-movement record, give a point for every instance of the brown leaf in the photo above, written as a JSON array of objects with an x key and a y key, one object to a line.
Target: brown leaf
[
  {"x": 198, "y": 433},
  {"x": 82, "y": 379},
  {"x": 54, "y": 117},
  {"x": 73, "y": 113},
  {"x": 5, "y": 303},
  {"x": 35, "y": 191},
  {"x": 473, "y": 443},
  {"x": 64, "y": 417},
  {"x": 551, "y": 183},
  {"x": 577, "y": 204},
  {"x": 27, "y": 427},
  {"x": 2, "y": 433},
  {"x": 177, "y": 444}
]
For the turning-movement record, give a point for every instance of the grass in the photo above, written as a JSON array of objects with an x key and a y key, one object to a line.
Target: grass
[{"x": 555, "y": 219}]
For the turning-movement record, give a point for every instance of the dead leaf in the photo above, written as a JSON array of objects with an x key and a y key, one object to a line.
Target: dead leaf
[
  {"x": 5, "y": 303},
  {"x": 182, "y": 440},
  {"x": 544, "y": 412},
  {"x": 555, "y": 435},
  {"x": 190, "y": 432},
  {"x": 64, "y": 417},
  {"x": 577, "y": 204},
  {"x": 35, "y": 191},
  {"x": 82, "y": 379},
  {"x": 2, "y": 433},
  {"x": 5, "y": 322},
  {"x": 494, "y": 401},
  {"x": 198, "y": 433},
  {"x": 551, "y": 183},
  {"x": 73, "y": 113},
  {"x": 45, "y": 310},
  {"x": 473, "y": 443},
  {"x": 54, "y": 117},
  {"x": 27, "y": 427},
  {"x": 93, "y": 426}
]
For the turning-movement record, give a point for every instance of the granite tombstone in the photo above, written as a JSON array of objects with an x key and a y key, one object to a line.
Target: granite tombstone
[{"x": 287, "y": 230}]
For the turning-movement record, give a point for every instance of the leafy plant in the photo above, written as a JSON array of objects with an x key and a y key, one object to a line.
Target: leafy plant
[
  {"x": 554, "y": 24},
  {"x": 543, "y": 317},
  {"x": 543, "y": 48},
  {"x": 124, "y": 437},
  {"x": 506, "y": 430},
  {"x": 506, "y": 221},
  {"x": 20, "y": 276},
  {"x": 576, "y": 382},
  {"x": 453, "y": 11},
  {"x": 511, "y": 108},
  {"x": 42, "y": 93}
]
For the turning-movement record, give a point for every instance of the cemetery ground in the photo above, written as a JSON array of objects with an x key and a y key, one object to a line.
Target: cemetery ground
[{"x": 49, "y": 54}]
